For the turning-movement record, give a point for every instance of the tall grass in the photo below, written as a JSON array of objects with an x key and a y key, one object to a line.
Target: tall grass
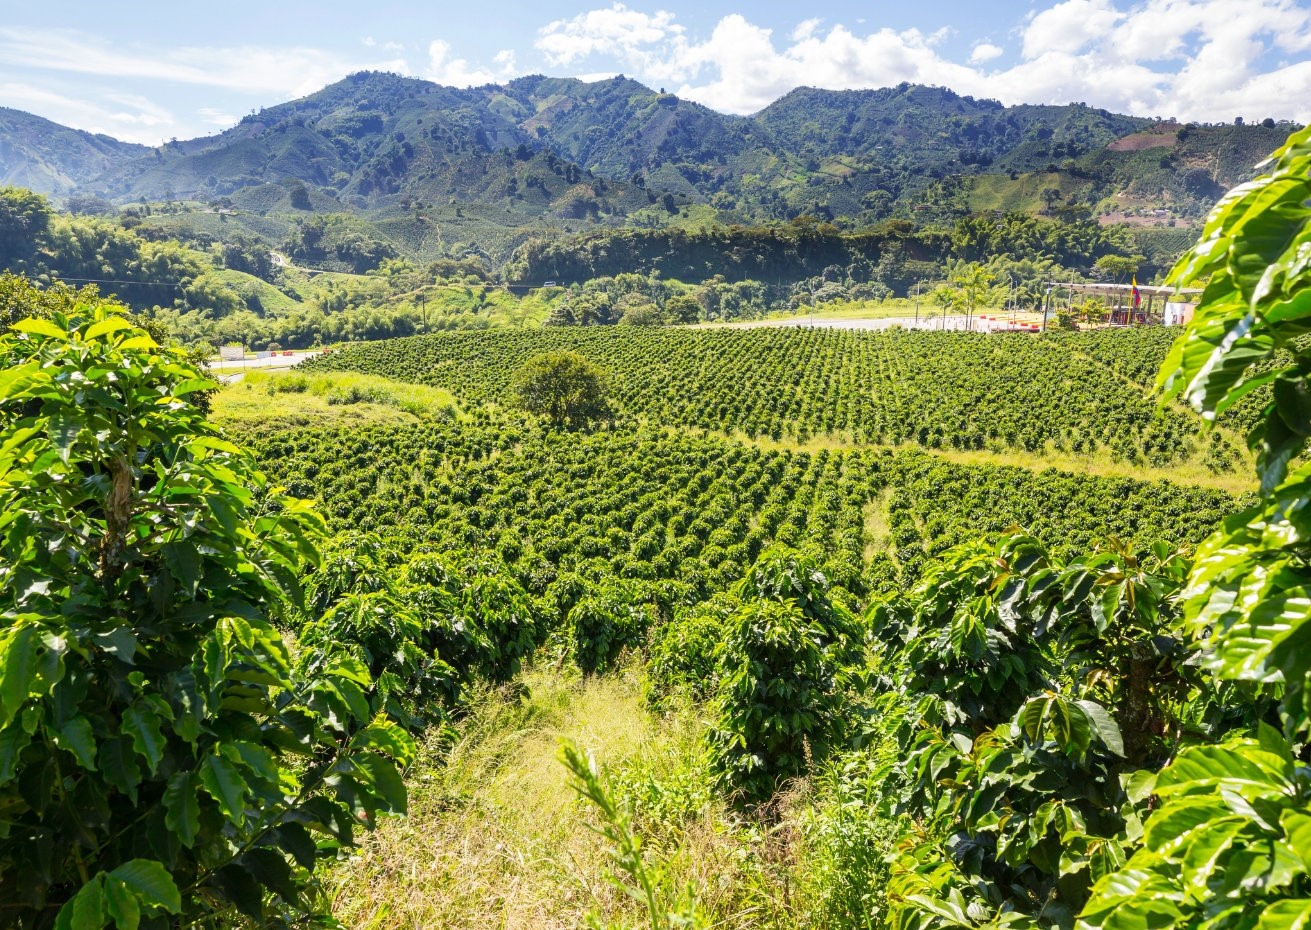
[
  {"x": 497, "y": 835},
  {"x": 299, "y": 397}
]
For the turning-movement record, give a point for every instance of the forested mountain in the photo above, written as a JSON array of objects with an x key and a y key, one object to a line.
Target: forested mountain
[
  {"x": 53, "y": 159},
  {"x": 599, "y": 152}
]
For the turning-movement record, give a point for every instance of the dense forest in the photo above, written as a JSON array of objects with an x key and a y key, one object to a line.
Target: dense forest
[{"x": 332, "y": 279}]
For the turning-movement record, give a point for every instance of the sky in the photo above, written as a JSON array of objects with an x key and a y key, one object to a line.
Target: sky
[{"x": 148, "y": 71}]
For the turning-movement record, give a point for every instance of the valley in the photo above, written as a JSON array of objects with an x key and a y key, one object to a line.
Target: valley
[{"x": 661, "y": 522}]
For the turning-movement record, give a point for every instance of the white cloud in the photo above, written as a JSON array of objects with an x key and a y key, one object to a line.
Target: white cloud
[
  {"x": 213, "y": 117},
  {"x": 457, "y": 72},
  {"x": 255, "y": 70},
  {"x": 1069, "y": 27},
  {"x": 1194, "y": 59},
  {"x": 615, "y": 30},
  {"x": 805, "y": 29},
  {"x": 123, "y": 116},
  {"x": 752, "y": 72}
]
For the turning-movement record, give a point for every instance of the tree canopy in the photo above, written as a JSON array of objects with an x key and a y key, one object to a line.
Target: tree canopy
[{"x": 564, "y": 387}]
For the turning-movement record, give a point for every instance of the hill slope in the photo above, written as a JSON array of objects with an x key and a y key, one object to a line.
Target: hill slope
[
  {"x": 483, "y": 168},
  {"x": 53, "y": 159}
]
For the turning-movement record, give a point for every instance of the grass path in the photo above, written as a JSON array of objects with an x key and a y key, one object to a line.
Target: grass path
[{"x": 496, "y": 837}]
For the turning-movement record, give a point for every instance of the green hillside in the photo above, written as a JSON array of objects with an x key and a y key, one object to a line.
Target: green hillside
[
  {"x": 44, "y": 156},
  {"x": 438, "y": 165}
]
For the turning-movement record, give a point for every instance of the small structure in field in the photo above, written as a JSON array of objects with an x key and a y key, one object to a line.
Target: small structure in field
[{"x": 1127, "y": 304}]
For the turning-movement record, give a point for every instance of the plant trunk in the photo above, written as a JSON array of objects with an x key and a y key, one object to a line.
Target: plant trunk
[
  {"x": 1139, "y": 725},
  {"x": 118, "y": 519}
]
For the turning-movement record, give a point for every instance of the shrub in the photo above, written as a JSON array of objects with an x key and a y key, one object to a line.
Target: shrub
[
  {"x": 776, "y": 701},
  {"x": 603, "y": 625},
  {"x": 159, "y": 751},
  {"x": 682, "y": 652}
]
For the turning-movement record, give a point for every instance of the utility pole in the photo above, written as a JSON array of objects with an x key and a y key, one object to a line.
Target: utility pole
[
  {"x": 917, "y": 303},
  {"x": 1046, "y": 305}
]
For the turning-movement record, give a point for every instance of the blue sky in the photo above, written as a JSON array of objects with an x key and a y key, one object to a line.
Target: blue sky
[{"x": 149, "y": 71}]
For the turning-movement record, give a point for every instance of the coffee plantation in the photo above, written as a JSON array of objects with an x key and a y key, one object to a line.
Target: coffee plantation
[
  {"x": 1084, "y": 392},
  {"x": 806, "y": 658}
]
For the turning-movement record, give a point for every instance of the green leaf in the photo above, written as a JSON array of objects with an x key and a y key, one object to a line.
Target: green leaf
[
  {"x": 103, "y": 327},
  {"x": 64, "y": 428},
  {"x": 124, "y": 908},
  {"x": 272, "y": 871},
  {"x": 225, "y": 785},
  {"x": 1293, "y": 914},
  {"x": 1240, "y": 766},
  {"x": 240, "y": 887},
  {"x": 151, "y": 883},
  {"x": 1297, "y": 827},
  {"x": 384, "y": 736},
  {"x": 1104, "y": 725},
  {"x": 948, "y": 911},
  {"x": 12, "y": 742},
  {"x": 388, "y": 786},
  {"x": 76, "y": 737},
  {"x": 18, "y": 662},
  {"x": 142, "y": 724},
  {"x": 119, "y": 766},
  {"x": 254, "y": 757},
  {"x": 195, "y": 384},
  {"x": 89, "y": 911},
  {"x": 183, "y": 562},
  {"x": 296, "y": 840},
  {"x": 38, "y": 327},
  {"x": 182, "y": 807},
  {"x": 134, "y": 343}
]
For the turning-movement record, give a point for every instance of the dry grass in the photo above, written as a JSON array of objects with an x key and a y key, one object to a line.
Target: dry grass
[
  {"x": 497, "y": 838},
  {"x": 878, "y": 532}
]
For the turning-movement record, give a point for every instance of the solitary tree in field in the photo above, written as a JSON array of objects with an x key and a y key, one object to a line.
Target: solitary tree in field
[{"x": 564, "y": 387}]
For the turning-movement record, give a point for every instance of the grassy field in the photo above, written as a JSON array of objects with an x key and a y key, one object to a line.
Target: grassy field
[
  {"x": 285, "y": 399},
  {"x": 1239, "y": 481},
  {"x": 497, "y": 838},
  {"x": 892, "y": 308}
]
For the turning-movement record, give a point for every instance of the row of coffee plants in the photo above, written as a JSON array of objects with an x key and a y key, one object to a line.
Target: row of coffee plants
[
  {"x": 939, "y": 390},
  {"x": 652, "y": 506},
  {"x": 1113, "y": 741},
  {"x": 1121, "y": 742}
]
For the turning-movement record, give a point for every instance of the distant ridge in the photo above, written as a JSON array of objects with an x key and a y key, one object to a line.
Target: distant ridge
[{"x": 601, "y": 153}]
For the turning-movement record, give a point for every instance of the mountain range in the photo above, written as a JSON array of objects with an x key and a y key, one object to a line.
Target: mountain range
[{"x": 430, "y": 166}]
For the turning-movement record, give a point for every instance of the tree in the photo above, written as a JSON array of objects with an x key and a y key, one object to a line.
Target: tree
[
  {"x": 973, "y": 281},
  {"x": 564, "y": 387},
  {"x": 640, "y": 312},
  {"x": 24, "y": 222},
  {"x": 161, "y": 752},
  {"x": 1117, "y": 267},
  {"x": 683, "y": 308}
]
